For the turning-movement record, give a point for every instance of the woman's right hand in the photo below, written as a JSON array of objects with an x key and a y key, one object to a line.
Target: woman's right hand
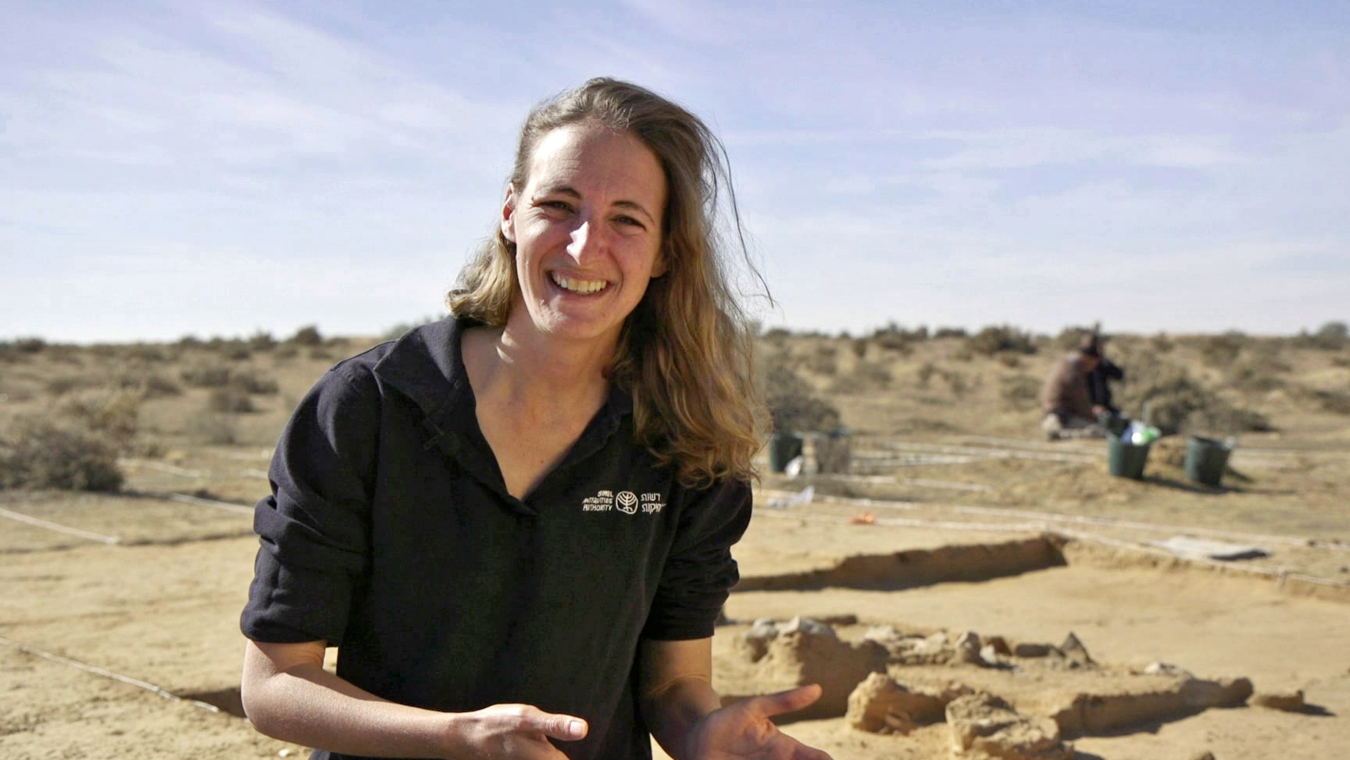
[
  {"x": 289, "y": 695},
  {"x": 500, "y": 732}
]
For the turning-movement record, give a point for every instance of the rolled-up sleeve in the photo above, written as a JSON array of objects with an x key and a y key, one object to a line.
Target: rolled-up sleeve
[
  {"x": 314, "y": 528},
  {"x": 700, "y": 570}
]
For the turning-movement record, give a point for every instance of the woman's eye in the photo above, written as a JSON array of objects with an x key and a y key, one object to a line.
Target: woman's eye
[
  {"x": 631, "y": 222},
  {"x": 557, "y": 205}
]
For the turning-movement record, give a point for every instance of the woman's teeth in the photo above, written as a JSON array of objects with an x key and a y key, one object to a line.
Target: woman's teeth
[{"x": 584, "y": 287}]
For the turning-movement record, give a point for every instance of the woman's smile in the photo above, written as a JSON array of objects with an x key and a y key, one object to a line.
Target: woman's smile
[
  {"x": 578, "y": 285},
  {"x": 587, "y": 228}
]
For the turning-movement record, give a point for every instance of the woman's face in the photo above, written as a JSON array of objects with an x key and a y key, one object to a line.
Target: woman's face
[{"x": 587, "y": 228}]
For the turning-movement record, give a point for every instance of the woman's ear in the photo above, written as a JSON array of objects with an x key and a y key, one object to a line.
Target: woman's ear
[
  {"x": 660, "y": 267},
  {"x": 509, "y": 213}
]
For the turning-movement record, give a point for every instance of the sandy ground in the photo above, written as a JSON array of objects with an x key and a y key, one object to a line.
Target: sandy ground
[
  {"x": 118, "y": 619},
  {"x": 128, "y": 648}
]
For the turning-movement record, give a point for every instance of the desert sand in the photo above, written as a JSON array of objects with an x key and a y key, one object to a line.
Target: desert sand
[{"x": 953, "y": 522}]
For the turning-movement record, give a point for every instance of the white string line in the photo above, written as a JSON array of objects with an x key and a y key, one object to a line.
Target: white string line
[
  {"x": 59, "y": 528},
  {"x": 161, "y": 691},
  {"x": 950, "y": 484},
  {"x": 1280, "y": 574},
  {"x": 199, "y": 501},
  {"x": 1082, "y": 520},
  {"x": 162, "y": 467}
]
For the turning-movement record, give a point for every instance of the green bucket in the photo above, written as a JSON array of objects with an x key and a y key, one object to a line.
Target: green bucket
[
  {"x": 1206, "y": 459},
  {"x": 1124, "y": 459},
  {"x": 783, "y": 448}
]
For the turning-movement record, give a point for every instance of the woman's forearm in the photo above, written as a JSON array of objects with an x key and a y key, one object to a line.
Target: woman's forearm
[{"x": 300, "y": 702}]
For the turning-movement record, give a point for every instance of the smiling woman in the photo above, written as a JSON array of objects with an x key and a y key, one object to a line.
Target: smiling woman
[{"x": 516, "y": 524}]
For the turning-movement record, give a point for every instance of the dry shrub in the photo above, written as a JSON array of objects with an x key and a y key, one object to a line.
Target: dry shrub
[
  {"x": 74, "y": 448},
  {"x": 1222, "y": 350},
  {"x": 1070, "y": 338},
  {"x": 1161, "y": 344},
  {"x": 232, "y": 349},
  {"x": 229, "y": 399},
  {"x": 262, "y": 341},
  {"x": 112, "y": 415},
  {"x": 949, "y": 332},
  {"x": 793, "y": 407},
  {"x": 859, "y": 346},
  {"x": 1332, "y": 336},
  {"x": 210, "y": 374},
  {"x": 1259, "y": 372},
  {"x": 865, "y": 377},
  {"x": 249, "y": 381},
  {"x": 1336, "y": 402},
  {"x": 212, "y": 428},
  {"x": 217, "y": 375},
  {"x": 147, "y": 383},
  {"x": 46, "y": 454},
  {"x": 924, "y": 375},
  {"x": 1003, "y": 338},
  {"x": 1011, "y": 361},
  {"x": 824, "y": 360},
  {"x": 28, "y": 345},
  {"x": 306, "y": 336},
  {"x": 60, "y": 386},
  {"x": 892, "y": 341},
  {"x": 957, "y": 383},
  {"x": 1020, "y": 392},
  {"x": 1176, "y": 402}
]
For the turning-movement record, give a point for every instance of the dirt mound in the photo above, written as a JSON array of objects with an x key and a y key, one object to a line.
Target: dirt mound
[{"x": 999, "y": 698}]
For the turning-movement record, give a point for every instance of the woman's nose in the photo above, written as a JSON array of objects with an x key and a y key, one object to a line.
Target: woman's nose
[{"x": 585, "y": 240}]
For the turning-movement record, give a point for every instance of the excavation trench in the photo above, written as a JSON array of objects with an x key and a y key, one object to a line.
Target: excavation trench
[{"x": 912, "y": 568}]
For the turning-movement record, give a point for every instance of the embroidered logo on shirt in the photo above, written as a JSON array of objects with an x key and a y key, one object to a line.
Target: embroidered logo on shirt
[{"x": 626, "y": 502}]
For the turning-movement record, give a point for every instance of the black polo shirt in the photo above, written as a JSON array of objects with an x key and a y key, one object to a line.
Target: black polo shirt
[{"x": 390, "y": 535}]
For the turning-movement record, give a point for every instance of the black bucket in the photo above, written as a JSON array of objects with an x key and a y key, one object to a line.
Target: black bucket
[
  {"x": 1125, "y": 459},
  {"x": 1206, "y": 459},
  {"x": 783, "y": 448}
]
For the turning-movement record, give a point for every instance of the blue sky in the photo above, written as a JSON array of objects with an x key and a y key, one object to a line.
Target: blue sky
[{"x": 220, "y": 167}]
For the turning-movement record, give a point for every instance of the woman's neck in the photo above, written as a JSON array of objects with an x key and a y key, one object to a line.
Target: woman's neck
[{"x": 539, "y": 378}]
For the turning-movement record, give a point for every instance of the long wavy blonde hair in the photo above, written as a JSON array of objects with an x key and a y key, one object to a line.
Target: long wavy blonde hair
[{"x": 686, "y": 352}]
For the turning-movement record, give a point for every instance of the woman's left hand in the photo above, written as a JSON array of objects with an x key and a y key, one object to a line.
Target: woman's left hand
[{"x": 745, "y": 730}]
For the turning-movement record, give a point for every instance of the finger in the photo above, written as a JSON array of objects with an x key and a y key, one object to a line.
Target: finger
[
  {"x": 564, "y": 727},
  {"x": 788, "y": 701}
]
